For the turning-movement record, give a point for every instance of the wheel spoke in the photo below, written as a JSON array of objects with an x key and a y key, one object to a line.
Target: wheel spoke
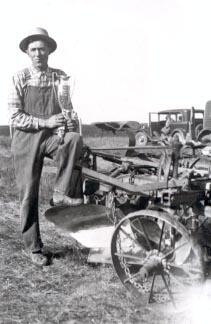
[
  {"x": 151, "y": 289},
  {"x": 189, "y": 274},
  {"x": 144, "y": 232},
  {"x": 161, "y": 236},
  {"x": 168, "y": 290},
  {"x": 175, "y": 249},
  {"x": 176, "y": 280},
  {"x": 132, "y": 277},
  {"x": 134, "y": 257},
  {"x": 129, "y": 236}
]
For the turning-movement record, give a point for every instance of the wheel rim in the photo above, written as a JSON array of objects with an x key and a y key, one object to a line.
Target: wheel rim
[
  {"x": 154, "y": 256},
  {"x": 180, "y": 136},
  {"x": 141, "y": 139}
]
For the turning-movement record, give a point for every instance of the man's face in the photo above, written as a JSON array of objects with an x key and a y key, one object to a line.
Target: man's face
[{"x": 38, "y": 52}]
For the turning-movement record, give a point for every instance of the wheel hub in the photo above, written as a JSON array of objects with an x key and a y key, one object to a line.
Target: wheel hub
[{"x": 153, "y": 263}]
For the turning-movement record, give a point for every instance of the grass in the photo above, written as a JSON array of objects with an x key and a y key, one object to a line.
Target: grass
[{"x": 69, "y": 291}]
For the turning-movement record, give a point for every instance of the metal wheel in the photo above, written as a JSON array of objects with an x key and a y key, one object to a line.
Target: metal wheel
[{"x": 155, "y": 257}]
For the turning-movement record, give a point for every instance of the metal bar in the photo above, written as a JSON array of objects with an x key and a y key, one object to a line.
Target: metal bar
[
  {"x": 109, "y": 156},
  {"x": 135, "y": 189},
  {"x": 141, "y": 190},
  {"x": 139, "y": 148},
  {"x": 126, "y": 186}
]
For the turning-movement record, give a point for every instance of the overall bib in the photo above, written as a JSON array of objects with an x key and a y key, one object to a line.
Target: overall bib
[{"x": 29, "y": 149}]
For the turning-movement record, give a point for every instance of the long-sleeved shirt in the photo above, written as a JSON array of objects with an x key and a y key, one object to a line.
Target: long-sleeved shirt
[{"x": 18, "y": 117}]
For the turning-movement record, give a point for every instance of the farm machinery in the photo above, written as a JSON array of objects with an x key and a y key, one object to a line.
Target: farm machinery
[{"x": 151, "y": 208}]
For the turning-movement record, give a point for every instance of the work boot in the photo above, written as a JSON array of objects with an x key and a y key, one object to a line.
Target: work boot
[
  {"x": 37, "y": 258},
  {"x": 63, "y": 200}
]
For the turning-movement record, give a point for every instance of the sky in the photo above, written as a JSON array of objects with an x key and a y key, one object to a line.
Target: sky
[{"x": 125, "y": 57}]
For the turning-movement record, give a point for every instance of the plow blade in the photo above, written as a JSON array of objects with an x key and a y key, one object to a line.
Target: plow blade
[{"x": 87, "y": 224}]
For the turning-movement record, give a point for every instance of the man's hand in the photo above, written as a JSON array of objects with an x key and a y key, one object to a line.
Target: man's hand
[
  {"x": 72, "y": 125},
  {"x": 52, "y": 122}
]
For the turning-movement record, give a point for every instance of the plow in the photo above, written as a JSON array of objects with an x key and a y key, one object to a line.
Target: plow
[{"x": 147, "y": 212}]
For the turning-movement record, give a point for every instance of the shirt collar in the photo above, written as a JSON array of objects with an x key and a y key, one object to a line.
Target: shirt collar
[{"x": 37, "y": 72}]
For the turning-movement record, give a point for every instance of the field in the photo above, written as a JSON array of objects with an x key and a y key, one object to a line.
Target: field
[{"x": 69, "y": 290}]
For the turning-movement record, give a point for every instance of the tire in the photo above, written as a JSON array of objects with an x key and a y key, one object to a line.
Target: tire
[
  {"x": 141, "y": 139},
  {"x": 180, "y": 135},
  {"x": 198, "y": 129},
  {"x": 204, "y": 136}
]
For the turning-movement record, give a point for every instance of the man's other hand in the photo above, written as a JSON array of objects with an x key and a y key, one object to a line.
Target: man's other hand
[{"x": 52, "y": 122}]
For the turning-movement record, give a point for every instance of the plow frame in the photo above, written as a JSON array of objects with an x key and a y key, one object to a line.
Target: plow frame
[{"x": 166, "y": 195}]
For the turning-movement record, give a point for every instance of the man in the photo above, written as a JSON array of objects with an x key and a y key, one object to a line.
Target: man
[
  {"x": 165, "y": 131},
  {"x": 35, "y": 115}
]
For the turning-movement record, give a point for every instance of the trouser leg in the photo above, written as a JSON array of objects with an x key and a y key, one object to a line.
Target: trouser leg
[
  {"x": 28, "y": 165},
  {"x": 76, "y": 184},
  {"x": 68, "y": 179},
  {"x": 29, "y": 217}
]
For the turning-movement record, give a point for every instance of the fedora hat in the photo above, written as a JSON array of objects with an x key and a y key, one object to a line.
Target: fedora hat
[{"x": 38, "y": 34}]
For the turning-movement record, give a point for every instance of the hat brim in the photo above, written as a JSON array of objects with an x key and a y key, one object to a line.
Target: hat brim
[{"x": 32, "y": 38}]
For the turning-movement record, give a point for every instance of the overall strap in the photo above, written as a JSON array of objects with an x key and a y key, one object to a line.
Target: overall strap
[{"x": 54, "y": 78}]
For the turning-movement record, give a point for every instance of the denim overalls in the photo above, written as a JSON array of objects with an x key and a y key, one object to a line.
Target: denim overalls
[{"x": 29, "y": 148}]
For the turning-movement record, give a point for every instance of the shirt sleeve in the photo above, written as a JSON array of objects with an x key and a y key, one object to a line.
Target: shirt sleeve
[{"x": 18, "y": 118}]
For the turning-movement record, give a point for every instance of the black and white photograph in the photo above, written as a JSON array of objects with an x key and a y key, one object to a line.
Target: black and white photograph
[{"x": 105, "y": 162}]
